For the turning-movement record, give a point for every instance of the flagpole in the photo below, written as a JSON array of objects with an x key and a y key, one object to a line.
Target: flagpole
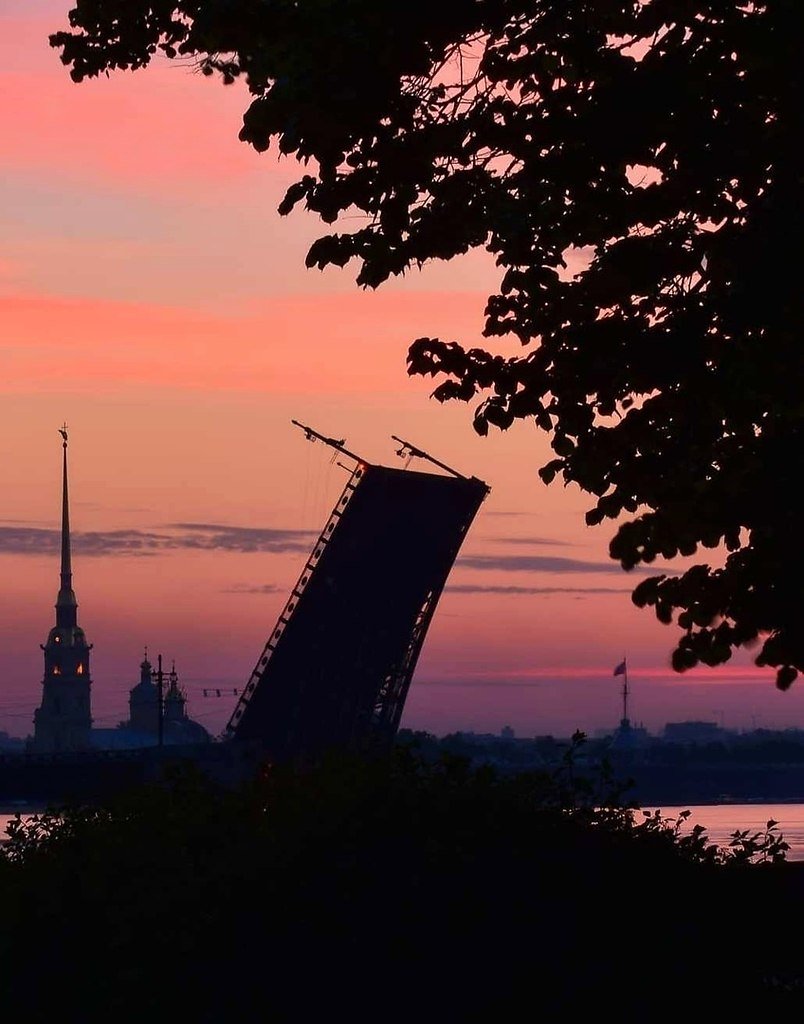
[{"x": 622, "y": 670}]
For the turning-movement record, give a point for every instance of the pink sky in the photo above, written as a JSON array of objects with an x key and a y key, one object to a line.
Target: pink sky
[{"x": 152, "y": 298}]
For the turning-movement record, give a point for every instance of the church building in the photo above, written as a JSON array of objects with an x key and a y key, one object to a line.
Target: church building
[
  {"x": 157, "y": 713},
  {"x": 63, "y": 721}
]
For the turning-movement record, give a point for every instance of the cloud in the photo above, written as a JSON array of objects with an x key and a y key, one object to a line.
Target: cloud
[
  {"x": 471, "y": 588},
  {"x": 247, "y": 588},
  {"x": 29, "y": 540},
  {"x": 534, "y": 563},
  {"x": 535, "y": 541},
  {"x": 159, "y": 335},
  {"x": 211, "y": 536}
]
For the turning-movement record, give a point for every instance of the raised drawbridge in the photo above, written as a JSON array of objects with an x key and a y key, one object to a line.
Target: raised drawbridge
[{"x": 336, "y": 668}]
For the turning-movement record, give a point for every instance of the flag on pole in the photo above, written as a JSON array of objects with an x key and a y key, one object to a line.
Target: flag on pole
[{"x": 620, "y": 669}]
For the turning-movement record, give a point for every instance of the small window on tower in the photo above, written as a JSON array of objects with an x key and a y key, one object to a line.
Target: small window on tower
[
  {"x": 56, "y": 639},
  {"x": 80, "y": 670},
  {"x": 56, "y": 670}
]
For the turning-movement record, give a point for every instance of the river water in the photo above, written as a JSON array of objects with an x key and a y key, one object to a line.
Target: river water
[{"x": 719, "y": 820}]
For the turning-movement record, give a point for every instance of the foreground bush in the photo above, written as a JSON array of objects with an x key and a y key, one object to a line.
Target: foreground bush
[{"x": 384, "y": 891}]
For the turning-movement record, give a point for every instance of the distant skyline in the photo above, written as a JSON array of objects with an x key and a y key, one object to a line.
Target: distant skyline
[{"x": 152, "y": 297}]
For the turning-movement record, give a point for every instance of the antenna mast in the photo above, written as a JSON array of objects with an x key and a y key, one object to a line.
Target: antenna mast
[
  {"x": 338, "y": 445},
  {"x": 409, "y": 450}
]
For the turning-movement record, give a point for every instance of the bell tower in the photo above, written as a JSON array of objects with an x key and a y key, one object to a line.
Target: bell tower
[{"x": 63, "y": 721}]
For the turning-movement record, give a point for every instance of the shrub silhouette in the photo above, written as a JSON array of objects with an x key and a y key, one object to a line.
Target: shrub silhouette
[{"x": 382, "y": 890}]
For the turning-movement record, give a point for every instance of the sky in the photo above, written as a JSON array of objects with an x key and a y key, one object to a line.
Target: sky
[{"x": 152, "y": 298}]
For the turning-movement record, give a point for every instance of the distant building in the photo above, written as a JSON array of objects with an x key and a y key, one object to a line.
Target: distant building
[
  {"x": 143, "y": 701},
  {"x": 178, "y": 727},
  {"x": 142, "y": 728},
  {"x": 697, "y": 733},
  {"x": 506, "y": 733},
  {"x": 11, "y": 744},
  {"x": 628, "y": 737},
  {"x": 63, "y": 721}
]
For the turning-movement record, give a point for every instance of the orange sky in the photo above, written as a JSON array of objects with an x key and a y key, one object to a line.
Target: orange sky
[{"x": 152, "y": 298}]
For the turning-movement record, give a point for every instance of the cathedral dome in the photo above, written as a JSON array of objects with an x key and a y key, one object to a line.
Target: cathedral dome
[{"x": 185, "y": 730}]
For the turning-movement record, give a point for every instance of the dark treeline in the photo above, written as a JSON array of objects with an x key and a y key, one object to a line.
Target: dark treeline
[
  {"x": 762, "y": 746},
  {"x": 711, "y": 766},
  {"x": 758, "y": 748},
  {"x": 387, "y": 890}
]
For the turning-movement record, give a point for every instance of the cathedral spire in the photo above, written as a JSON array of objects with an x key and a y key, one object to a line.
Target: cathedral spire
[
  {"x": 63, "y": 721},
  {"x": 66, "y": 604}
]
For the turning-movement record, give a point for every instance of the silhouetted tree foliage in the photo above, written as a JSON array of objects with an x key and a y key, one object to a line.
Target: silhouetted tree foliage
[
  {"x": 390, "y": 891},
  {"x": 633, "y": 167}
]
